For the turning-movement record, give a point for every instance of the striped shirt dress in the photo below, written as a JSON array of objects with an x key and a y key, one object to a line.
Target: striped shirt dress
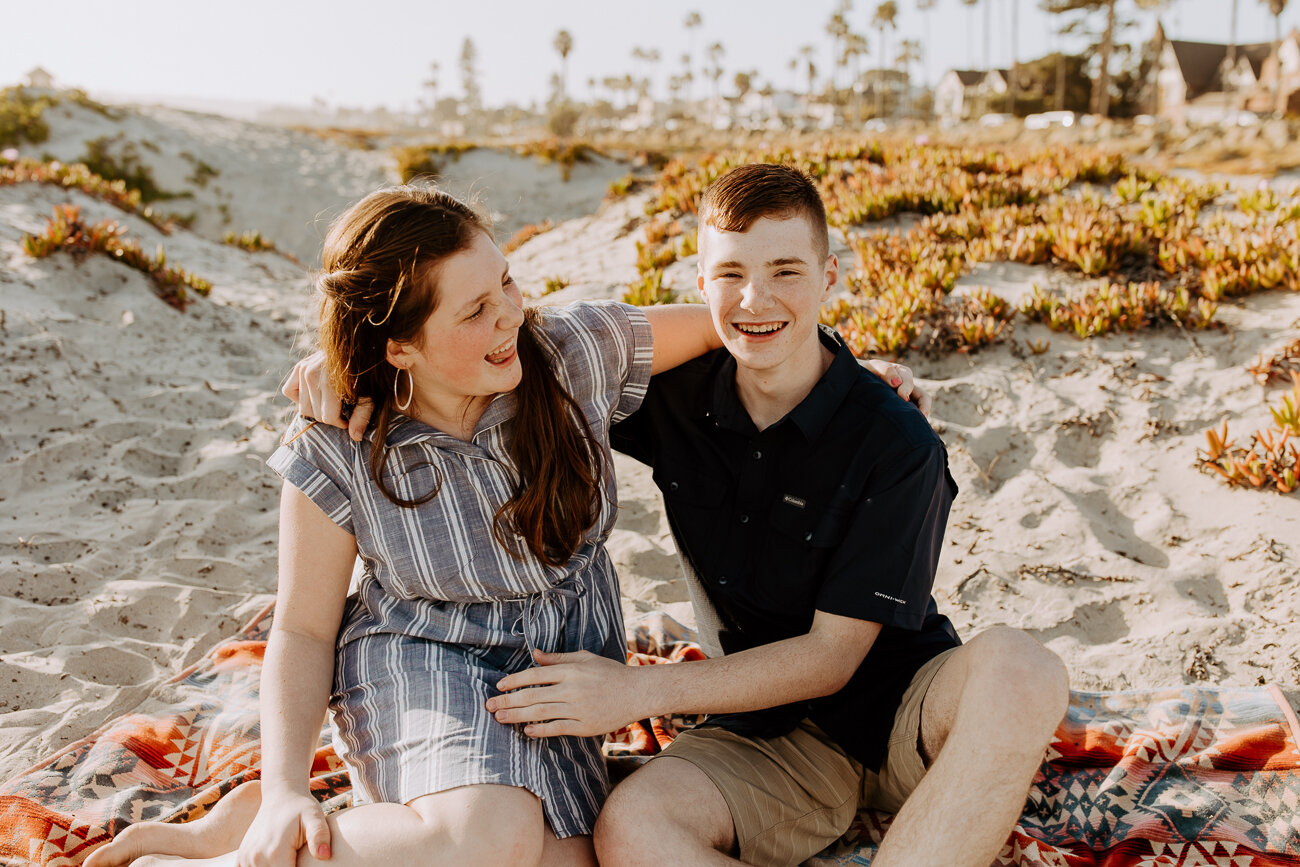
[{"x": 443, "y": 612}]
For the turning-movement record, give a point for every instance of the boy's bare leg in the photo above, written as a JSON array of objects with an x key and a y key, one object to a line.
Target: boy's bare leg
[{"x": 988, "y": 717}]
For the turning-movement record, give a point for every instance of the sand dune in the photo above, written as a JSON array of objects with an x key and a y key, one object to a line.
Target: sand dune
[{"x": 139, "y": 522}]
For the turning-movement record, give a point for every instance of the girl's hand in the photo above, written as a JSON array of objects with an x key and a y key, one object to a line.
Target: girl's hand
[
  {"x": 900, "y": 377},
  {"x": 285, "y": 823}
]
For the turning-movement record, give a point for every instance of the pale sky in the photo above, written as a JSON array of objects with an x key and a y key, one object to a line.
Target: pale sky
[{"x": 377, "y": 52}]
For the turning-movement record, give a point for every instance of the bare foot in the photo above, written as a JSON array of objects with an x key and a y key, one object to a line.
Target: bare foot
[
  {"x": 215, "y": 834},
  {"x": 227, "y": 860}
]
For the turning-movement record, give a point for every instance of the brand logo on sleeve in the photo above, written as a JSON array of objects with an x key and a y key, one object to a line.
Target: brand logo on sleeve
[{"x": 891, "y": 598}]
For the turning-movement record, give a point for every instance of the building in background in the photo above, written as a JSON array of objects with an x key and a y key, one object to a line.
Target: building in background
[
  {"x": 966, "y": 94},
  {"x": 1211, "y": 82}
]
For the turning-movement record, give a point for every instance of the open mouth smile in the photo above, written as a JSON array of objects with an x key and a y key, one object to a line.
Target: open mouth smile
[
  {"x": 503, "y": 354},
  {"x": 758, "y": 329}
]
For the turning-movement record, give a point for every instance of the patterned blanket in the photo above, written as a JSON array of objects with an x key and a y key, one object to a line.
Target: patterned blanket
[{"x": 1167, "y": 778}]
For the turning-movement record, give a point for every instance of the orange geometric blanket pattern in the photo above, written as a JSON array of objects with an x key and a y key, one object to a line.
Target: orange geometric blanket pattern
[{"x": 1183, "y": 777}]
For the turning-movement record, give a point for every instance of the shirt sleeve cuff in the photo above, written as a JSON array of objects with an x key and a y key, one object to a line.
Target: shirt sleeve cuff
[
  {"x": 314, "y": 484},
  {"x": 640, "y": 355}
]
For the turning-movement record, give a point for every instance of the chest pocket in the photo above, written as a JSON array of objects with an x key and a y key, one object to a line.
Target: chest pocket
[
  {"x": 689, "y": 491},
  {"x": 803, "y": 538}
]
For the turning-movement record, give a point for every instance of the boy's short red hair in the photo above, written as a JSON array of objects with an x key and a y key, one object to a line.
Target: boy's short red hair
[{"x": 734, "y": 201}]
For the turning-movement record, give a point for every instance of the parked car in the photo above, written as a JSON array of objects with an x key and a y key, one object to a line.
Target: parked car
[
  {"x": 1047, "y": 119},
  {"x": 994, "y": 118}
]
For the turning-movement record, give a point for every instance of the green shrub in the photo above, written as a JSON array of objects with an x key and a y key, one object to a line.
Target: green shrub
[
  {"x": 416, "y": 160},
  {"x": 66, "y": 229},
  {"x": 21, "y": 117},
  {"x": 126, "y": 168}
]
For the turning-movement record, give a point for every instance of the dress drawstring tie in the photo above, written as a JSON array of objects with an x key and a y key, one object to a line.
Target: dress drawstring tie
[{"x": 529, "y": 618}]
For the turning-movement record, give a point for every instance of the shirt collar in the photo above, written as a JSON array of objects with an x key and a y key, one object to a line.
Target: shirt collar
[
  {"x": 813, "y": 413},
  {"x": 405, "y": 431}
]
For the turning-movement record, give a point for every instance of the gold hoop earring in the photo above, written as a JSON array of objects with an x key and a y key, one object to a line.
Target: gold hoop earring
[{"x": 397, "y": 399}]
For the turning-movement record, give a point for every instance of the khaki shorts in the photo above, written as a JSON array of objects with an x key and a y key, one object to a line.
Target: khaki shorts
[{"x": 790, "y": 797}]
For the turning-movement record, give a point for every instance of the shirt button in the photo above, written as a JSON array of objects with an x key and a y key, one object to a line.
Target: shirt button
[
  {"x": 758, "y": 456},
  {"x": 808, "y": 538},
  {"x": 722, "y": 579},
  {"x": 744, "y": 519},
  {"x": 672, "y": 486}
]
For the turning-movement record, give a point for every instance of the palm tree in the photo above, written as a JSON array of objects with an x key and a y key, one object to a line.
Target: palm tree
[
  {"x": 715, "y": 52},
  {"x": 838, "y": 29},
  {"x": 431, "y": 85},
  {"x": 1230, "y": 64},
  {"x": 1013, "y": 86},
  {"x": 926, "y": 6},
  {"x": 642, "y": 58},
  {"x": 744, "y": 82},
  {"x": 806, "y": 52},
  {"x": 652, "y": 60},
  {"x": 855, "y": 48},
  {"x": 970, "y": 31},
  {"x": 692, "y": 23},
  {"x": 1277, "y": 7},
  {"x": 563, "y": 44},
  {"x": 909, "y": 52},
  {"x": 885, "y": 18}
]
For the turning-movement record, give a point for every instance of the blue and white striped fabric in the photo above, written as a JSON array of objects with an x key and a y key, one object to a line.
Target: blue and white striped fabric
[{"x": 444, "y": 612}]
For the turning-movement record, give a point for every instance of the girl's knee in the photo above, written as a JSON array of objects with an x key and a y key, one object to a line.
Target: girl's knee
[{"x": 483, "y": 825}]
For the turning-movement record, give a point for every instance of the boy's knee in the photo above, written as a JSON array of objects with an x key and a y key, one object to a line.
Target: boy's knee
[
  {"x": 1028, "y": 679},
  {"x": 640, "y": 825},
  {"x": 623, "y": 820}
]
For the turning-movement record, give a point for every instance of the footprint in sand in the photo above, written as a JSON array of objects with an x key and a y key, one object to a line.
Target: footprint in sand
[
  {"x": 960, "y": 404},
  {"x": 47, "y": 551},
  {"x": 109, "y": 665},
  {"x": 140, "y": 461},
  {"x": 999, "y": 454},
  {"x": 1079, "y": 440},
  {"x": 1094, "y": 623}
]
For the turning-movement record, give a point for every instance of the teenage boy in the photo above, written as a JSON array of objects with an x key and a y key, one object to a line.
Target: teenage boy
[{"x": 810, "y": 502}]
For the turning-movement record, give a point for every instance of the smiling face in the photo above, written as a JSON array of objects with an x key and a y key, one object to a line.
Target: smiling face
[
  {"x": 465, "y": 352},
  {"x": 764, "y": 287}
]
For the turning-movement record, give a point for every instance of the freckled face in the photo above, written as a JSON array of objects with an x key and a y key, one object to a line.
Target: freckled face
[
  {"x": 765, "y": 287},
  {"x": 467, "y": 345}
]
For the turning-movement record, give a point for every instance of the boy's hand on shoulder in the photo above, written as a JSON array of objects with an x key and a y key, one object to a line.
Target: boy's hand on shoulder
[
  {"x": 308, "y": 386},
  {"x": 570, "y": 694}
]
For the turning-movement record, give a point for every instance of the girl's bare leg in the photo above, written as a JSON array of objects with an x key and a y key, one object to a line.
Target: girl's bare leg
[
  {"x": 569, "y": 852},
  {"x": 218, "y": 832},
  {"x": 473, "y": 825}
]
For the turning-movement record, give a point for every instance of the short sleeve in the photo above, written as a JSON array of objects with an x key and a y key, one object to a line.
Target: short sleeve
[
  {"x": 884, "y": 569},
  {"x": 606, "y": 349},
  {"x": 318, "y": 459}
]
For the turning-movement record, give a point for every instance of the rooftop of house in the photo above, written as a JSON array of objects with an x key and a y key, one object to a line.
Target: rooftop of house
[{"x": 1201, "y": 62}]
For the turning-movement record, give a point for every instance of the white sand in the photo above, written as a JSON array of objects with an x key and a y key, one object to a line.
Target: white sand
[{"x": 139, "y": 522}]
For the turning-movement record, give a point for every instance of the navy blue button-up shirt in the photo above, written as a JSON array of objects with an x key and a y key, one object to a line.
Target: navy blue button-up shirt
[{"x": 838, "y": 507}]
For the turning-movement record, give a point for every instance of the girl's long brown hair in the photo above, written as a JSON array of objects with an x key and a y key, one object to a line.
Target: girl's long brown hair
[{"x": 378, "y": 284}]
